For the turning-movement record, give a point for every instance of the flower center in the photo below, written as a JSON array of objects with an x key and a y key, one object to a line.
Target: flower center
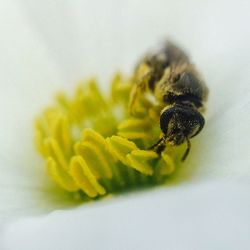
[{"x": 92, "y": 145}]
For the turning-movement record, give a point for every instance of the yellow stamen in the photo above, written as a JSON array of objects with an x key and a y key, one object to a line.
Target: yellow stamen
[
  {"x": 60, "y": 176},
  {"x": 84, "y": 177},
  {"x": 91, "y": 143}
]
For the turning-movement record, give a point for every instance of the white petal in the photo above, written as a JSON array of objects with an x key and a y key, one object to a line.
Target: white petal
[
  {"x": 222, "y": 149},
  {"x": 61, "y": 42},
  {"x": 27, "y": 80},
  {"x": 206, "y": 216}
]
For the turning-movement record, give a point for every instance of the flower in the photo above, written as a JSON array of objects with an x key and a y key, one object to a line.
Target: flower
[{"x": 43, "y": 45}]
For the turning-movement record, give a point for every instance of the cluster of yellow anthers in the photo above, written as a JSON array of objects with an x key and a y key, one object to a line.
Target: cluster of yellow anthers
[{"x": 91, "y": 144}]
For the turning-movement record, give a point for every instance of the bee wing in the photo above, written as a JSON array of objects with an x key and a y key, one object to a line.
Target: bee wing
[
  {"x": 165, "y": 55},
  {"x": 174, "y": 54}
]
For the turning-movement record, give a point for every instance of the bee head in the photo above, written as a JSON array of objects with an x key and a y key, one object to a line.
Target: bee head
[{"x": 180, "y": 122}]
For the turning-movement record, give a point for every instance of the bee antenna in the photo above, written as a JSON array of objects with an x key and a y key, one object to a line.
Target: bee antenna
[{"x": 187, "y": 150}]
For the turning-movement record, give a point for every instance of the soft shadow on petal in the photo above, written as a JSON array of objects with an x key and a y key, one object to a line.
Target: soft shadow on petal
[
  {"x": 211, "y": 215},
  {"x": 222, "y": 150}
]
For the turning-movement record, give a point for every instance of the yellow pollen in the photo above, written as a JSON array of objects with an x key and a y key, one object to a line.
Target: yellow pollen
[{"x": 92, "y": 145}]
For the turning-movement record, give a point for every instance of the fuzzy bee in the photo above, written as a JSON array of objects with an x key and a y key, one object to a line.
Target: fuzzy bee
[{"x": 178, "y": 88}]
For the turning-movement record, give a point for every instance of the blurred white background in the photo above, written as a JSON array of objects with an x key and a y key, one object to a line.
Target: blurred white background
[{"x": 49, "y": 45}]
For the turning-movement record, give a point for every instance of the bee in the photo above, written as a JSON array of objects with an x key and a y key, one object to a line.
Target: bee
[{"x": 178, "y": 88}]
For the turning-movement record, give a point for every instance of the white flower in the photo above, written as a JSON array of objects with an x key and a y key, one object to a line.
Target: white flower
[{"x": 47, "y": 45}]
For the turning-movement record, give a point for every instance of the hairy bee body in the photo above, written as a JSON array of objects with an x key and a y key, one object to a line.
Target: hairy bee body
[
  {"x": 166, "y": 67},
  {"x": 174, "y": 81}
]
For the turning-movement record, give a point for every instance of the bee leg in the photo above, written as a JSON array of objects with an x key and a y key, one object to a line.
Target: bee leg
[
  {"x": 187, "y": 150},
  {"x": 139, "y": 86},
  {"x": 159, "y": 146}
]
